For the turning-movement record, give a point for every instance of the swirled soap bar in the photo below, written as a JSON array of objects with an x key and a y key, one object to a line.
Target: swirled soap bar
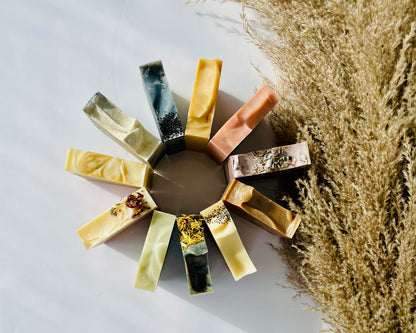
[
  {"x": 108, "y": 169},
  {"x": 257, "y": 208},
  {"x": 131, "y": 209},
  {"x": 124, "y": 130},
  {"x": 202, "y": 106},
  {"x": 226, "y": 236}
]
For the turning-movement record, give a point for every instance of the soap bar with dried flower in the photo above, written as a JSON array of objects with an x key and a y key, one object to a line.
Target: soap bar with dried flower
[
  {"x": 195, "y": 253},
  {"x": 259, "y": 209},
  {"x": 128, "y": 211},
  {"x": 268, "y": 161},
  {"x": 226, "y": 236}
]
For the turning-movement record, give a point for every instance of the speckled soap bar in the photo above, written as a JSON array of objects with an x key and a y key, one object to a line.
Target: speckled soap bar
[{"x": 163, "y": 106}]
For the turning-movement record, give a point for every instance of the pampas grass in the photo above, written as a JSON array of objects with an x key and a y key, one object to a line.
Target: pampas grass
[{"x": 345, "y": 73}]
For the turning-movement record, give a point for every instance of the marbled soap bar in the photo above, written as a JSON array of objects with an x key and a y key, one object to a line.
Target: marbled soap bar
[
  {"x": 195, "y": 253},
  {"x": 163, "y": 106},
  {"x": 241, "y": 124},
  {"x": 126, "y": 131},
  {"x": 257, "y": 208},
  {"x": 226, "y": 236},
  {"x": 131, "y": 209},
  {"x": 154, "y": 251},
  {"x": 108, "y": 169},
  {"x": 202, "y": 106},
  {"x": 267, "y": 161}
]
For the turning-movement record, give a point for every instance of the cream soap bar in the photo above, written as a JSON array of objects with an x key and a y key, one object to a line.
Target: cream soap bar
[
  {"x": 226, "y": 236},
  {"x": 154, "y": 251},
  {"x": 108, "y": 169},
  {"x": 268, "y": 161},
  {"x": 131, "y": 209},
  {"x": 126, "y": 131},
  {"x": 163, "y": 106},
  {"x": 260, "y": 210},
  {"x": 202, "y": 106},
  {"x": 195, "y": 253},
  {"x": 241, "y": 124}
]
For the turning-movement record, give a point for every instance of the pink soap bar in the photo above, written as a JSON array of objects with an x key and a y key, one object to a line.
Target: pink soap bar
[{"x": 241, "y": 124}]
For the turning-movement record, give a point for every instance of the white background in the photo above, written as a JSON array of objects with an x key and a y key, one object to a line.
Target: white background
[{"x": 54, "y": 55}]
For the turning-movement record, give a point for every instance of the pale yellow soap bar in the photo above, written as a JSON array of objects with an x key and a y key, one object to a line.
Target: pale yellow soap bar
[
  {"x": 108, "y": 169},
  {"x": 226, "y": 236},
  {"x": 154, "y": 251},
  {"x": 202, "y": 106},
  {"x": 131, "y": 209}
]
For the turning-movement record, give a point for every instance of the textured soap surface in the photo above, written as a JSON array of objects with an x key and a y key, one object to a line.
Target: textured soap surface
[
  {"x": 267, "y": 161},
  {"x": 128, "y": 211},
  {"x": 202, "y": 105},
  {"x": 163, "y": 106},
  {"x": 108, "y": 169},
  {"x": 241, "y": 124},
  {"x": 154, "y": 251},
  {"x": 124, "y": 130},
  {"x": 259, "y": 209},
  {"x": 226, "y": 236}
]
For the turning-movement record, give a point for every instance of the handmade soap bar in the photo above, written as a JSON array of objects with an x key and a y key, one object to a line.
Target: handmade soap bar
[
  {"x": 154, "y": 251},
  {"x": 202, "y": 106},
  {"x": 108, "y": 169},
  {"x": 163, "y": 106},
  {"x": 122, "y": 215},
  {"x": 126, "y": 131},
  {"x": 241, "y": 124},
  {"x": 195, "y": 253},
  {"x": 225, "y": 233},
  {"x": 268, "y": 161},
  {"x": 260, "y": 210}
]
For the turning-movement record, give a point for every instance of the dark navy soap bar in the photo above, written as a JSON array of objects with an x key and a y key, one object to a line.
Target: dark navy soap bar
[{"x": 163, "y": 106}]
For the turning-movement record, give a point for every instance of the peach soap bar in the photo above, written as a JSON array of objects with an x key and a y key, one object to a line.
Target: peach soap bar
[
  {"x": 202, "y": 106},
  {"x": 257, "y": 208},
  {"x": 131, "y": 209},
  {"x": 241, "y": 124},
  {"x": 108, "y": 169},
  {"x": 226, "y": 236}
]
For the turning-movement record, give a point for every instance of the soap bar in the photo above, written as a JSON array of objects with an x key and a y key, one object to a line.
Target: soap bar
[
  {"x": 226, "y": 236},
  {"x": 241, "y": 124},
  {"x": 202, "y": 106},
  {"x": 268, "y": 161},
  {"x": 131, "y": 209},
  {"x": 257, "y": 208},
  {"x": 154, "y": 250},
  {"x": 126, "y": 131},
  {"x": 163, "y": 106},
  {"x": 108, "y": 169},
  {"x": 195, "y": 253}
]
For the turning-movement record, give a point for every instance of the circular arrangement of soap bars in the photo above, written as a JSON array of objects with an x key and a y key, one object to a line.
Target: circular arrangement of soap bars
[{"x": 239, "y": 197}]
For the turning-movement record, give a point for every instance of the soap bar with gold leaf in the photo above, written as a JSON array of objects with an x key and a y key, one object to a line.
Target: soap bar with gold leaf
[
  {"x": 108, "y": 169},
  {"x": 131, "y": 209},
  {"x": 226, "y": 236},
  {"x": 257, "y": 208},
  {"x": 202, "y": 106}
]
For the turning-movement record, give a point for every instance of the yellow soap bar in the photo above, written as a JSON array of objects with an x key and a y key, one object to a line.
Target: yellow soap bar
[
  {"x": 202, "y": 106},
  {"x": 108, "y": 169},
  {"x": 131, "y": 209}
]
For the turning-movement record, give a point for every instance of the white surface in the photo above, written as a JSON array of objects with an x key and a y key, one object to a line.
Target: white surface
[{"x": 54, "y": 56}]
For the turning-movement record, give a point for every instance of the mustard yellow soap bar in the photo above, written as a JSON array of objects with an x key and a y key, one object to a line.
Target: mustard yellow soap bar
[
  {"x": 131, "y": 209},
  {"x": 108, "y": 169},
  {"x": 202, "y": 106}
]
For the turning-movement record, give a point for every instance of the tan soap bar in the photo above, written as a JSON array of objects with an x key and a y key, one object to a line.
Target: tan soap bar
[
  {"x": 131, "y": 209},
  {"x": 226, "y": 236},
  {"x": 241, "y": 124},
  {"x": 202, "y": 106},
  {"x": 257, "y": 208},
  {"x": 108, "y": 169}
]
